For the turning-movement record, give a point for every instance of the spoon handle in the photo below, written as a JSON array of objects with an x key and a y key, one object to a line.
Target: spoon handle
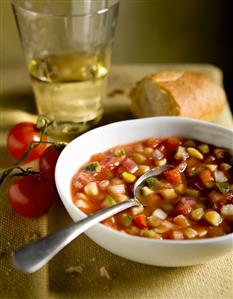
[{"x": 32, "y": 257}]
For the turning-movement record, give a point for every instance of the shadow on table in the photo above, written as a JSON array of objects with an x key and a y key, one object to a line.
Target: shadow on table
[{"x": 20, "y": 100}]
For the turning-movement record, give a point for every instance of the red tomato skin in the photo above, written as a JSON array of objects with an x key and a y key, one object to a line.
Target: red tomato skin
[
  {"x": 31, "y": 196},
  {"x": 183, "y": 209},
  {"x": 140, "y": 221},
  {"x": 48, "y": 161},
  {"x": 171, "y": 144},
  {"x": 173, "y": 176},
  {"x": 19, "y": 139}
]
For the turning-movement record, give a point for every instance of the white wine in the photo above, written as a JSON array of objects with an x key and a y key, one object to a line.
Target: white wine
[{"x": 69, "y": 89}]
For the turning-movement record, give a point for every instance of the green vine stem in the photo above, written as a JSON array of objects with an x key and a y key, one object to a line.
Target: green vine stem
[{"x": 42, "y": 125}]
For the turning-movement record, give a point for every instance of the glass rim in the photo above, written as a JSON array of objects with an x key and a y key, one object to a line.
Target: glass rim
[{"x": 95, "y": 13}]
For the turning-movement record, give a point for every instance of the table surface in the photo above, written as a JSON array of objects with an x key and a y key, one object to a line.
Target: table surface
[{"x": 128, "y": 279}]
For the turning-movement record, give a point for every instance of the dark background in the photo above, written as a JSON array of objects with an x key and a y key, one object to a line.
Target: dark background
[{"x": 154, "y": 31}]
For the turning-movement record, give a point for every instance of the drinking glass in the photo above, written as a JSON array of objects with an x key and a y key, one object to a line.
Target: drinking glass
[{"x": 68, "y": 50}]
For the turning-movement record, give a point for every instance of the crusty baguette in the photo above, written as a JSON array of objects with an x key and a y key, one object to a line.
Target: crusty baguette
[{"x": 183, "y": 93}]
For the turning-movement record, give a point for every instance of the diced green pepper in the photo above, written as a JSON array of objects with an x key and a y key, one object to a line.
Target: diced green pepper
[
  {"x": 126, "y": 220},
  {"x": 167, "y": 207},
  {"x": 194, "y": 170},
  {"x": 204, "y": 148},
  {"x": 223, "y": 187},
  {"x": 153, "y": 182},
  {"x": 119, "y": 152},
  {"x": 93, "y": 166},
  {"x": 146, "y": 191},
  {"x": 225, "y": 166},
  {"x": 109, "y": 201},
  {"x": 192, "y": 192}
]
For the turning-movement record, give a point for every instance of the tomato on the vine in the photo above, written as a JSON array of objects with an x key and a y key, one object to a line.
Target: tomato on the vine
[
  {"x": 31, "y": 196},
  {"x": 48, "y": 162},
  {"x": 19, "y": 139}
]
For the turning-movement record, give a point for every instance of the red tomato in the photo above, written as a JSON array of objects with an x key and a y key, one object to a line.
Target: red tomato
[
  {"x": 98, "y": 157},
  {"x": 183, "y": 209},
  {"x": 206, "y": 176},
  {"x": 152, "y": 142},
  {"x": 31, "y": 196},
  {"x": 171, "y": 144},
  {"x": 130, "y": 165},
  {"x": 173, "y": 176},
  {"x": 140, "y": 221},
  {"x": 48, "y": 162},
  {"x": 104, "y": 174},
  {"x": 19, "y": 139}
]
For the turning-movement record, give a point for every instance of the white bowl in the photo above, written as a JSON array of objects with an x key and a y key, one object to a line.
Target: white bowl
[{"x": 168, "y": 253}]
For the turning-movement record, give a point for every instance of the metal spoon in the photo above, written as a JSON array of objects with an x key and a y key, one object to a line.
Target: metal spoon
[{"x": 32, "y": 257}]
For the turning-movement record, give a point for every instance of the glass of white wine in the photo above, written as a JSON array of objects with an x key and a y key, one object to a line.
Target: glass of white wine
[{"x": 68, "y": 51}]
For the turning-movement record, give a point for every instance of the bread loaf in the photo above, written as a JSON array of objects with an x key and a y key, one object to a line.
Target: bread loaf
[{"x": 182, "y": 93}]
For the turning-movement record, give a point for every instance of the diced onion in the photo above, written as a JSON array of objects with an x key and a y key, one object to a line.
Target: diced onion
[
  {"x": 130, "y": 165},
  {"x": 103, "y": 184},
  {"x": 157, "y": 154},
  {"x": 117, "y": 188},
  {"x": 91, "y": 189},
  {"x": 160, "y": 214},
  {"x": 219, "y": 176}
]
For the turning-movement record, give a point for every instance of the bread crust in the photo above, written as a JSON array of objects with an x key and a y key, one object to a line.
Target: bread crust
[{"x": 192, "y": 94}]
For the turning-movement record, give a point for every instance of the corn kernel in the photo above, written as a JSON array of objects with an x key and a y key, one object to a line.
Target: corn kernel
[
  {"x": 195, "y": 153},
  {"x": 146, "y": 191},
  {"x": 161, "y": 162},
  {"x": 91, "y": 189},
  {"x": 212, "y": 167},
  {"x": 204, "y": 148},
  {"x": 213, "y": 218},
  {"x": 148, "y": 151},
  {"x": 181, "y": 220},
  {"x": 139, "y": 158},
  {"x": 227, "y": 211},
  {"x": 190, "y": 233},
  {"x": 168, "y": 194},
  {"x": 197, "y": 214},
  {"x": 128, "y": 177}
]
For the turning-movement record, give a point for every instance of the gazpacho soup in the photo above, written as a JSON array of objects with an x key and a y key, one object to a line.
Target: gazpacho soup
[{"x": 192, "y": 200}]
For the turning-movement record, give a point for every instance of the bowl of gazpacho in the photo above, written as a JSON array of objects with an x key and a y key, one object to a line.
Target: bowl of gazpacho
[{"x": 186, "y": 216}]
